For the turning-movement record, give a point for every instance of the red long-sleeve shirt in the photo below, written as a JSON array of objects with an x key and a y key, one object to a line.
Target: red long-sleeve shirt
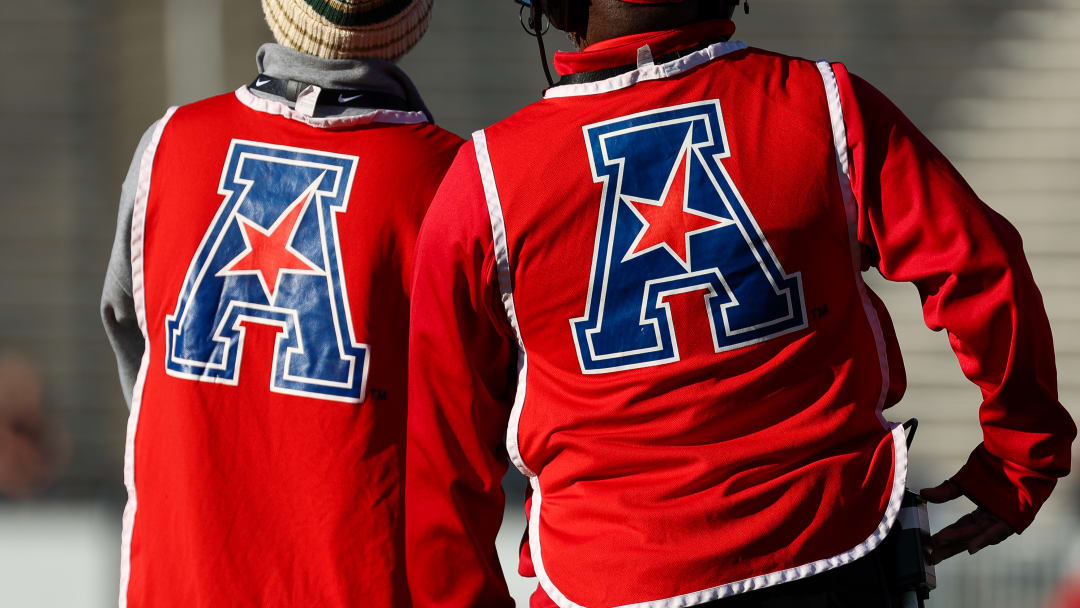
[{"x": 647, "y": 291}]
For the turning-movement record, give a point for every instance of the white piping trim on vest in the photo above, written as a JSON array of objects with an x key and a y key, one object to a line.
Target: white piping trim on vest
[
  {"x": 647, "y": 72},
  {"x": 843, "y": 166},
  {"x": 138, "y": 294},
  {"x": 270, "y": 106},
  {"x": 900, "y": 463},
  {"x": 506, "y": 288}
]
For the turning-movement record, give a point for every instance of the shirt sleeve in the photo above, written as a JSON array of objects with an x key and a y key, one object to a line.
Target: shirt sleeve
[
  {"x": 919, "y": 221},
  {"x": 117, "y": 304},
  {"x": 462, "y": 365}
]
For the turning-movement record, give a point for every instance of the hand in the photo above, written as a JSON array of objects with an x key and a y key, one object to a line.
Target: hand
[{"x": 971, "y": 533}]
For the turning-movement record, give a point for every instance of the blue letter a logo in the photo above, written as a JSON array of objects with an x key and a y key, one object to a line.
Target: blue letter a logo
[
  {"x": 671, "y": 221},
  {"x": 272, "y": 255}
]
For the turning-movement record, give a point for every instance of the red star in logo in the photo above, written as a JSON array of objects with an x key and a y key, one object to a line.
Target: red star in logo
[
  {"x": 669, "y": 222},
  {"x": 269, "y": 254}
]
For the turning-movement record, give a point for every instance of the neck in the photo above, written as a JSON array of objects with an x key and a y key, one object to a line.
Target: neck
[{"x": 613, "y": 18}]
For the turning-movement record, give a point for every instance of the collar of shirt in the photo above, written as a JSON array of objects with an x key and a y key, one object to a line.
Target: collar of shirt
[
  {"x": 624, "y": 49},
  {"x": 376, "y": 75}
]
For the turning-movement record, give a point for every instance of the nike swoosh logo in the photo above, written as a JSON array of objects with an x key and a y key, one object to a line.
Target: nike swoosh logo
[
  {"x": 260, "y": 82},
  {"x": 343, "y": 99}
]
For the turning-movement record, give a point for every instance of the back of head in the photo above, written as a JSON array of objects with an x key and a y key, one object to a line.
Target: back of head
[
  {"x": 348, "y": 29},
  {"x": 589, "y": 21}
]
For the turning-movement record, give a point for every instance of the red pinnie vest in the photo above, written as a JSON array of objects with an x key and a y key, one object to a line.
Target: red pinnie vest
[
  {"x": 271, "y": 254},
  {"x": 727, "y": 365}
]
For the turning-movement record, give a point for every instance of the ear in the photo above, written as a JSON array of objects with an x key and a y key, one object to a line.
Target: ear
[{"x": 570, "y": 16}]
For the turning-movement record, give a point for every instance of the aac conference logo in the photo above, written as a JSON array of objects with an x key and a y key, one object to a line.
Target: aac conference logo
[
  {"x": 272, "y": 255},
  {"x": 672, "y": 221}
]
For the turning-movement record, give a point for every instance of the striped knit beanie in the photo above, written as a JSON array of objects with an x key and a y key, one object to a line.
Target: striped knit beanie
[{"x": 338, "y": 29}]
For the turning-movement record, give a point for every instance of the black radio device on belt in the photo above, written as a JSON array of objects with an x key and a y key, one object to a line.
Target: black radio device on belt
[{"x": 910, "y": 574}]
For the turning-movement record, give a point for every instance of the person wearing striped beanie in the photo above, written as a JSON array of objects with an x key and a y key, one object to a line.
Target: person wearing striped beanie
[
  {"x": 342, "y": 29},
  {"x": 257, "y": 302}
]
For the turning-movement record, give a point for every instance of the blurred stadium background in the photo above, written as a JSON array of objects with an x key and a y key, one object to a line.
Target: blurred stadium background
[{"x": 995, "y": 84}]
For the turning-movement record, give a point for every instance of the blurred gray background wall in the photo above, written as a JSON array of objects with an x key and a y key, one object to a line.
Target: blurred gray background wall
[{"x": 995, "y": 84}]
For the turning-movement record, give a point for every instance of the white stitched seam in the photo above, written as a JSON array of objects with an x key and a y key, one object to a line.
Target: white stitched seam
[
  {"x": 138, "y": 235},
  {"x": 502, "y": 266},
  {"x": 836, "y": 114}
]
